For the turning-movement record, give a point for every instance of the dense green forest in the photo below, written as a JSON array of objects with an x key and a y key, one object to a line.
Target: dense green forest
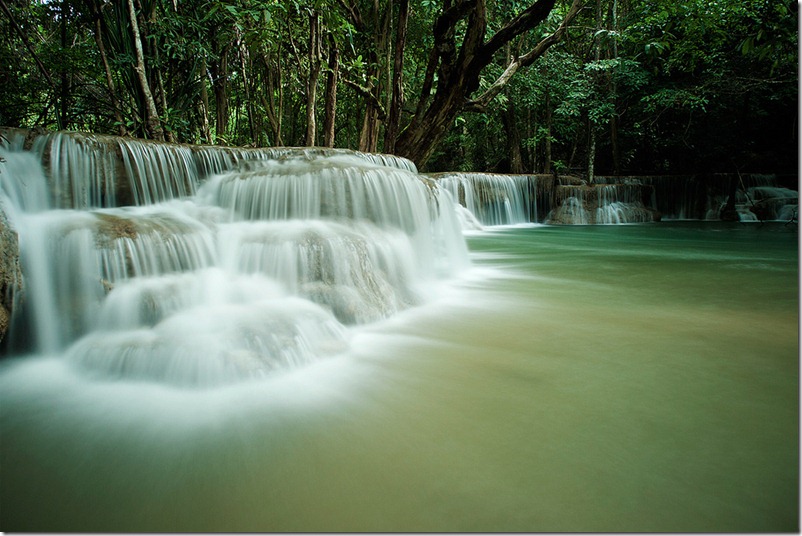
[{"x": 587, "y": 86}]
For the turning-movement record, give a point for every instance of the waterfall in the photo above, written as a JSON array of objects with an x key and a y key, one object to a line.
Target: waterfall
[
  {"x": 198, "y": 266},
  {"x": 769, "y": 202},
  {"x": 621, "y": 203},
  {"x": 701, "y": 197},
  {"x": 570, "y": 211},
  {"x": 493, "y": 199},
  {"x": 94, "y": 171},
  {"x": 601, "y": 204}
]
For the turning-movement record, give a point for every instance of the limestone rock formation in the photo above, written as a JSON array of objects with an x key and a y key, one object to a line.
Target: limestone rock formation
[{"x": 10, "y": 273}]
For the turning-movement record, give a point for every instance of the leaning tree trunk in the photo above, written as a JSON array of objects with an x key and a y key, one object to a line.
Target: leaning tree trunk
[
  {"x": 418, "y": 144},
  {"x": 152, "y": 124}
]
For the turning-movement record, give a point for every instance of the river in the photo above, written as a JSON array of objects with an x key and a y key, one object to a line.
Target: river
[{"x": 574, "y": 378}]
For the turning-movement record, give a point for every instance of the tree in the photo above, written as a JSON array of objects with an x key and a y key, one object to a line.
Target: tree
[
  {"x": 397, "y": 99},
  {"x": 626, "y": 86},
  {"x": 152, "y": 123},
  {"x": 459, "y": 69}
]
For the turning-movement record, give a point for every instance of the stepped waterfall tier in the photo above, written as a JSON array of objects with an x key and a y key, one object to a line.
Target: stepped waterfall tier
[
  {"x": 201, "y": 266},
  {"x": 493, "y": 199},
  {"x": 602, "y": 203}
]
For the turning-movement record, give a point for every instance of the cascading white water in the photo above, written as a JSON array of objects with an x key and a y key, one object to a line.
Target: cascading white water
[
  {"x": 492, "y": 198},
  {"x": 571, "y": 210},
  {"x": 517, "y": 400},
  {"x": 82, "y": 171},
  {"x": 93, "y": 171},
  {"x": 771, "y": 202},
  {"x": 620, "y": 203},
  {"x": 206, "y": 281},
  {"x": 600, "y": 204}
]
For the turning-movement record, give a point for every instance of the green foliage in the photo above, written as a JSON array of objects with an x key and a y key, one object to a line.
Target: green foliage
[{"x": 664, "y": 86}]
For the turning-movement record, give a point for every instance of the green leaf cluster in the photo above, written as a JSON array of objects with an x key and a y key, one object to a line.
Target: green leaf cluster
[{"x": 635, "y": 85}]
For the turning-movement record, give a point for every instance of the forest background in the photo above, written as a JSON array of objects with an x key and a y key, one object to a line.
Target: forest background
[{"x": 582, "y": 86}]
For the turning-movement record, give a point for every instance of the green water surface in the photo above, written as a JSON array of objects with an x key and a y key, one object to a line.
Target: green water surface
[{"x": 580, "y": 378}]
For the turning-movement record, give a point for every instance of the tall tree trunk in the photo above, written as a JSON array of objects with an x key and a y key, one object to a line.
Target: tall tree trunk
[
  {"x": 510, "y": 121},
  {"x": 331, "y": 92},
  {"x": 615, "y": 145},
  {"x": 532, "y": 152},
  {"x": 574, "y": 147},
  {"x": 280, "y": 107},
  {"x": 591, "y": 151},
  {"x": 369, "y": 136},
  {"x": 597, "y": 81},
  {"x": 162, "y": 101},
  {"x": 273, "y": 111},
  {"x": 204, "y": 103},
  {"x": 614, "y": 120},
  {"x": 397, "y": 102},
  {"x": 426, "y": 90},
  {"x": 513, "y": 138},
  {"x": 219, "y": 69},
  {"x": 314, "y": 74},
  {"x": 244, "y": 59},
  {"x": 152, "y": 124},
  {"x": 547, "y": 148}
]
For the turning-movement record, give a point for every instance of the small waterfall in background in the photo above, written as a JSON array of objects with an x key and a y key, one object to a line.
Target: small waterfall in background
[
  {"x": 768, "y": 202},
  {"x": 602, "y": 204},
  {"x": 492, "y": 199},
  {"x": 702, "y": 197},
  {"x": 197, "y": 266}
]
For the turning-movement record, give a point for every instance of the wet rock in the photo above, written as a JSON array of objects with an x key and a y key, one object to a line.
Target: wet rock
[{"x": 10, "y": 273}]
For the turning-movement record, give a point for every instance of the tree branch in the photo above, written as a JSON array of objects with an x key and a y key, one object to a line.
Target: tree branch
[
  {"x": 528, "y": 19},
  {"x": 353, "y": 14},
  {"x": 480, "y": 104},
  {"x": 368, "y": 94},
  {"x": 444, "y": 31}
]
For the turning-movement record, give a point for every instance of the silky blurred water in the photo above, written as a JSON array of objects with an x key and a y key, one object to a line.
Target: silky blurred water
[{"x": 578, "y": 378}]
